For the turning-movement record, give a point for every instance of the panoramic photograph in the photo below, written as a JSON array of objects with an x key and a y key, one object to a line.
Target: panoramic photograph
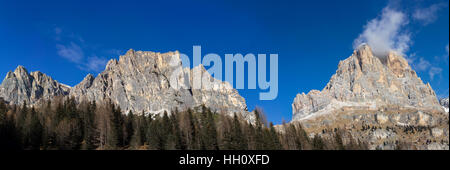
[{"x": 224, "y": 75}]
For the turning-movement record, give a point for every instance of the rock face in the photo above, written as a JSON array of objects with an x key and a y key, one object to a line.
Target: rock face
[
  {"x": 138, "y": 82},
  {"x": 383, "y": 93},
  {"x": 444, "y": 104},
  {"x": 143, "y": 82},
  {"x": 366, "y": 81},
  {"x": 20, "y": 86}
]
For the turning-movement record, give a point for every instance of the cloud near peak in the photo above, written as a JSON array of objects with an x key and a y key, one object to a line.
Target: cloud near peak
[
  {"x": 428, "y": 15},
  {"x": 71, "y": 52},
  {"x": 389, "y": 32},
  {"x": 71, "y": 48},
  {"x": 386, "y": 33}
]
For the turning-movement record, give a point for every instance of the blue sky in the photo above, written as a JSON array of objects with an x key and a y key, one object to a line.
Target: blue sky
[{"x": 69, "y": 39}]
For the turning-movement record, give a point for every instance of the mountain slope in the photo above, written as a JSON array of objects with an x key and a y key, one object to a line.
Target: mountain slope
[
  {"x": 20, "y": 86},
  {"x": 444, "y": 104},
  {"x": 140, "y": 82},
  {"x": 364, "y": 80},
  {"x": 383, "y": 93}
]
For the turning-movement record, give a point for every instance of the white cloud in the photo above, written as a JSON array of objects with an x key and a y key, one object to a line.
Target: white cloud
[
  {"x": 93, "y": 64},
  {"x": 422, "y": 65},
  {"x": 75, "y": 53},
  {"x": 386, "y": 33},
  {"x": 72, "y": 52},
  {"x": 428, "y": 15},
  {"x": 434, "y": 71}
]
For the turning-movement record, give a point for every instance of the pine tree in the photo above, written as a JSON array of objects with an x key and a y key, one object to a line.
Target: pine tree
[
  {"x": 192, "y": 131},
  {"x": 117, "y": 126},
  {"x": 129, "y": 128},
  {"x": 136, "y": 138},
  {"x": 179, "y": 138},
  {"x": 9, "y": 134},
  {"x": 157, "y": 134},
  {"x": 208, "y": 131},
  {"x": 238, "y": 141},
  {"x": 22, "y": 115},
  {"x": 165, "y": 134},
  {"x": 90, "y": 131},
  {"x": 274, "y": 138},
  {"x": 259, "y": 136},
  {"x": 35, "y": 131}
]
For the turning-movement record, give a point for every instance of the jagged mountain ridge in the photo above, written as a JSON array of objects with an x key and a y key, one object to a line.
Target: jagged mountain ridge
[
  {"x": 364, "y": 80},
  {"x": 138, "y": 82},
  {"x": 21, "y": 86}
]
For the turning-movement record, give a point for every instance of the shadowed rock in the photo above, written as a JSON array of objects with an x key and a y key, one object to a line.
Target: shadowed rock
[{"x": 20, "y": 86}]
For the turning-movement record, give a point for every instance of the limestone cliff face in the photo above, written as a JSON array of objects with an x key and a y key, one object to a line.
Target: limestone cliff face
[
  {"x": 138, "y": 82},
  {"x": 444, "y": 104},
  {"x": 141, "y": 82},
  {"x": 20, "y": 86},
  {"x": 366, "y": 81},
  {"x": 384, "y": 94}
]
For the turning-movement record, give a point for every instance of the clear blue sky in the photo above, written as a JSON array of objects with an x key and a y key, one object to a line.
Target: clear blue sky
[{"x": 59, "y": 38}]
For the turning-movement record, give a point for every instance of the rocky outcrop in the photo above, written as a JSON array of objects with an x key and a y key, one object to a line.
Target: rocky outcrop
[
  {"x": 444, "y": 104},
  {"x": 21, "y": 86},
  {"x": 378, "y": 100},
  {"x": 366, "y": 81},
  {"x": 138, "y": 82},
  {"x": 144, "y": 82}
]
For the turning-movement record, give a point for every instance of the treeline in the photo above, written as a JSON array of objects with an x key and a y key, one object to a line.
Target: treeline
[{"x": 65, "y": 125}]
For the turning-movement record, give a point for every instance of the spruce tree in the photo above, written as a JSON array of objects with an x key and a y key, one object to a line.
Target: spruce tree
[
  {"x": 179, "y": 138},
  {"x": 274, "y": 138},
  {"x": 208, "y": 130},
  {"x": 238, "y": 140},
  {"x": 129, "y": 128},
  {"x": 192, "y": 131},
  {"x": 35, "y": 131}
]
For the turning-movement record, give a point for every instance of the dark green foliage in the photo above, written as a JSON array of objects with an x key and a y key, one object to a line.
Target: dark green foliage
[
  {"x": 33, "y": 131},
  {"x": 178, "y": 136},
  {"x": 90, "y": 131},
  {"x": 9, "y": 134},
  {"x": 66, "y": 124},
  {"x": 208, "y": 130}
]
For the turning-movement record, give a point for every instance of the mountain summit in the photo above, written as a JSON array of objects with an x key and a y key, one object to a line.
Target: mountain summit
[
  {"x": 364, "y": 80},
  {"x": 138, "y": 82},
  {"x": 21, "y": 86},
  {"x": 378, "y": 100}
]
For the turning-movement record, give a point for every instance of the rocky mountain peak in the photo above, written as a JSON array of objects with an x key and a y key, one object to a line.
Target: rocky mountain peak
[
  {"x": 364, "y": 80},
  {"x": 20, "y": 70},
  {"x": 381, "y": 92},
  {"x": 140, "y": 82},
  {"x": 130, "y": 52},
  {"x": 20, "y": 86},
  {"x": 364, "y": 53}
]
